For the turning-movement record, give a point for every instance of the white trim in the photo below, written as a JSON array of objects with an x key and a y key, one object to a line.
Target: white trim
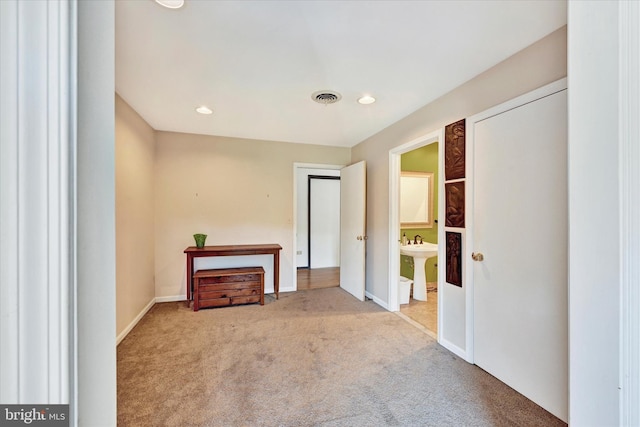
[
  {"x": 35, "y": 212},
  {"x": 135, "y": 321},
  {"x": 73, "y": 203},
  {"x": 394, "y": 209},
  {"x": 442, "y": 247},
  {"x": 377, "y": 300},
  {"x": 9, "y": 354},
  {"x": 534, "y": 95},
  {"x": 394, "y": 217},
  {"x": 454, "y": 349},
  {"x": 172, "y": 298},
  {"x": 467, "y": 239},
  {"x": 157, "y": 300},
  {"x": 394, "y": 230},
  {"x": 294, "y": 229},
  {"x": 468, "y": 246},
  {"x": 62, "y": 233},
  {"x": 629, "y": 158}
]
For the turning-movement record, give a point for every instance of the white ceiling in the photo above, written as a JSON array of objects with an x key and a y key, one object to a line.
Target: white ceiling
[{"x": 256, "y": 63}]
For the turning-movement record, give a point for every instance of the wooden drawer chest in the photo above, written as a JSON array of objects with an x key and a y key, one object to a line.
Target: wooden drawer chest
[{"x": 228, "y": 286}]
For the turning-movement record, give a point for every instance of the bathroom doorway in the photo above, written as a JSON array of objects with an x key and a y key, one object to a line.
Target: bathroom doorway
[
  {"x": 421, "y": 305},
  {"x": 420, "y": 155}
]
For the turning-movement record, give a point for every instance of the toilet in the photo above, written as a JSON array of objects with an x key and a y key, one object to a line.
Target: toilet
[{"x": 404, "y": 290}]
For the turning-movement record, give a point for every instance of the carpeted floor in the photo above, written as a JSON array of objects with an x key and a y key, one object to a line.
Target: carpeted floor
[{"x": 312, "y": 358}]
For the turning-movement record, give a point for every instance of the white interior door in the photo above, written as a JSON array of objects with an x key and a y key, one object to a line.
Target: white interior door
[
  {"x": 353, "y": 204},
  {"x": 520, "y": 227}
]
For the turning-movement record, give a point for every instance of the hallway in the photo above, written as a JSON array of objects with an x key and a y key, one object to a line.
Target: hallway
[{"x": 318, "y": 278}]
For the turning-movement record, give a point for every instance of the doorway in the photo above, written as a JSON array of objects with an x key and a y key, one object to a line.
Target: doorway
[
  {"x": 419, "y": 225},
  {"x": 316, "y": 197},
  {"x": 395, "y": 232},
  {"x": 323, "y": 221}
]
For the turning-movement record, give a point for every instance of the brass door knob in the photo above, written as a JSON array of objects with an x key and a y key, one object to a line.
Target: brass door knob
[{"x": 477, "y": 256}]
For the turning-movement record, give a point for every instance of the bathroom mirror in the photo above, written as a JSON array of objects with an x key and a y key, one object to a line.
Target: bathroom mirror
[{"x": 416, "y": 199}]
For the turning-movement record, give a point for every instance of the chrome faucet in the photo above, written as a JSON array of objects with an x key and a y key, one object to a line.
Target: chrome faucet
[{"x": 415, "y": 239}]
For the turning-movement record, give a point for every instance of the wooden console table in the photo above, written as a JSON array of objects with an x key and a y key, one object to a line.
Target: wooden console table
[{"x": 232, "y": 250}]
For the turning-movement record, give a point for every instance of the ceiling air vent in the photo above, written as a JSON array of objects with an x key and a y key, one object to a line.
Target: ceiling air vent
[{"x": 326, "y": 97}]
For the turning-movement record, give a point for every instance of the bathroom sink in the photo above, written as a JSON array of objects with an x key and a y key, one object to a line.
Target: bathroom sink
[
  {"x": 424, "y": 250},
  {"x": 420, "y": 253}
]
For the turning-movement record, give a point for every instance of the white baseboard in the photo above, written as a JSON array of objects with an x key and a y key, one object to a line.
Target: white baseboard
[
  {"x": 454, "y": 349},
  {"x": 144, "y": 311},
  {"x": 172, "y": 298},
  {"x": 135, "y": 321},
  {"x": 377, "y": 300}
]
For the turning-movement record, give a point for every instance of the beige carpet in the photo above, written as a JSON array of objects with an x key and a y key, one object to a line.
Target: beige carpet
[{"x": 312, "y": 358}]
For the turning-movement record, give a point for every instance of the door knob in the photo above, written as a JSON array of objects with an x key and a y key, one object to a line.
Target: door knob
[
  {"x": 477, "y": 256},
  {"x": 359, "y": 237}
]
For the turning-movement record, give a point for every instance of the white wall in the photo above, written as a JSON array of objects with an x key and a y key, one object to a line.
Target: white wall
[
  {"x": 237, "y": 191},
  {"x": 594, "y": 277},
  {"x": 96, "y": 259},
  {"x": 135, "y": 164},
  {"x": 302, "y": 211},
  {"x": 535, "y": 66}
]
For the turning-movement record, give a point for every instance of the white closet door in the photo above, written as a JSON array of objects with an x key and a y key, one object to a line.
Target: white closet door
[{"x": 520, "y": 227}]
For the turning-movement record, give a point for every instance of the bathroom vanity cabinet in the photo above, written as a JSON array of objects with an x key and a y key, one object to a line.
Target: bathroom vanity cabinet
[{"x": 228, "y": 286}]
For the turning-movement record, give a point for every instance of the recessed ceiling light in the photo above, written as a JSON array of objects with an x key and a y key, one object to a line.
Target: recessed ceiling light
[
  {"x": 203, "y": 109},
  {"x": 171, "y": 4},
  {"x": 366, "y": 100}
]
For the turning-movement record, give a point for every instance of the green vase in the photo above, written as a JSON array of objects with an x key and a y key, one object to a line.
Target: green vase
[{"x": 200, "y": 238}]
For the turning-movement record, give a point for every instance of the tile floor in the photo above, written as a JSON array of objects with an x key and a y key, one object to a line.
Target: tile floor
[{"x": 423, "y": 312}]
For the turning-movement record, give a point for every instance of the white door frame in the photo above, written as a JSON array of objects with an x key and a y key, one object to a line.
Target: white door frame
[
  {"x": 294, "y": 229},
  {"x": 38, "y": 188},
  {"x": 629, "y": 93},
  {"x": 394, "y": 215}
]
